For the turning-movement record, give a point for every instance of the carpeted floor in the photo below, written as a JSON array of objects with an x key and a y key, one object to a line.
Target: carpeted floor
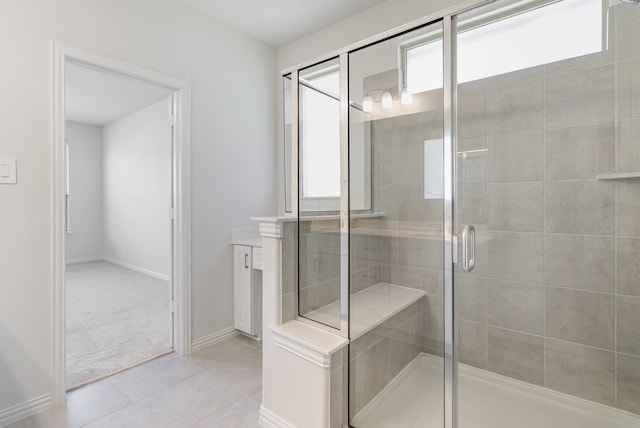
[{"x": 116, "y": 319}]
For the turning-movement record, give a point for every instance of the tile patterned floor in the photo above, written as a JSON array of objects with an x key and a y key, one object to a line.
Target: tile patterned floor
[{"x": 219, "y": 386}]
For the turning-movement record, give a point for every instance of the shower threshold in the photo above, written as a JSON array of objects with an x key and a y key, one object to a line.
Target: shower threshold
[{"x": 486, "y": 400}]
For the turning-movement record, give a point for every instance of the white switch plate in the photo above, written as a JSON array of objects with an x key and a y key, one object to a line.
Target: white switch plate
[{"x": 8, "y": 171}]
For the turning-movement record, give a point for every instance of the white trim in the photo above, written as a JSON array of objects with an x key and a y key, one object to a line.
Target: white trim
[
  {"x": 136, "y": 268},
  {"x": 119, "y": 263},
  {"x": 308, "y": 342},
  {"x": 271, "y": 229},
  {"x": 318, "y": 358},
  {"x": 26, "y": 409},
  {"x": 213, "y": 338},
  {"x": 84, "y": 260},
  {"x": 181, "y": 272},
  {"x": 271, "y": 420}
]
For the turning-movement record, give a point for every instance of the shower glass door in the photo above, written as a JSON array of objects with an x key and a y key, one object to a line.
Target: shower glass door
[
  {"x": 547, "y": 284},
  {"x": 396, "y": 369}
]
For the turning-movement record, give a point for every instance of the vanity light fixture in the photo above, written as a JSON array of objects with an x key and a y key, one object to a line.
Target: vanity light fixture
[
  {"x": 387, "y": 101},
  {"x": 367, "y": 104},
  {"x": 407, "y": 97}
]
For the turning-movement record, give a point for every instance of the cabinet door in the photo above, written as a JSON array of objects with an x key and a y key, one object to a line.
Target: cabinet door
[{"x": 242, "y": 285}]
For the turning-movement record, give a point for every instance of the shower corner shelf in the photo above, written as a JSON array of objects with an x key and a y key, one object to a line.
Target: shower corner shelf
[{"x": 618, "y": 176}]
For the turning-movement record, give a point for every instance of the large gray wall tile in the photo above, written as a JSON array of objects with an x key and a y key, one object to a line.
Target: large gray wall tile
[
  {"x": 515, "y": 108},
  {"x": 516, "y": 157},
  {"x": 580, "y": 316},
  {"x": 472, "y": 343},
  {"x": 581, "y": 97},
  {"x": 511, "y": 255},
  {"x": 471, "y": 109},
  {"x": 628, "y": 31},
  {"x": 584, "y": 262},
  {"x": 472, "y": 168},
  {"x": 584, "y": 207},
  {"x": 628, "y": 382},
  {"x": 516, "y": 306},
  {"x": 579, "y": 370},
  {"x": 628, "y": 207},
  {"x": 628, "y": 89},
  {"x": 517, "y": 355},
  {"x": 582, "y": 62},
  {"x": 516, "y": 207},
  {"x": 579, "y": 152},
  {"x": 628, "y": 325},
  {"x": 473, "y": 205},
  {"x": 627, "y": 147},
  {"x": 628, "y": 266},
  {"x": 400, "y": 166},
  {"x": 420, "y": 279},
  {"x": 472, "y": 298}
]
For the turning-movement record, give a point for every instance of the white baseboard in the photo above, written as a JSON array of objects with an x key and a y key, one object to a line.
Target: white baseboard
[
  {"x": 32, "y": 407},
  {"x": 271, "y": 420},
  {"x": 119, "y": 263},
  {"x": 213, "y": 338},
  {"x": 136, "y": 268},
  {"x": 84, "y": 260}
]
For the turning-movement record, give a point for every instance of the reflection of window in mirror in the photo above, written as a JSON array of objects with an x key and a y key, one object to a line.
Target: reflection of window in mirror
[
  {"x": 506, "y": 40},
  {"x": 319, "y": 137}
]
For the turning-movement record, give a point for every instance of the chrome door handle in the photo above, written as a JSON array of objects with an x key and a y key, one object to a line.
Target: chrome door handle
[
  {"x": 246, "y": 261},
  {"x": 468, "y": 248}
]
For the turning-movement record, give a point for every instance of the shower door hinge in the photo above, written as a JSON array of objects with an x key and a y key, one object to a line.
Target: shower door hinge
[
  {"x": 454, "y": 248},
  {"x": 172, "y": 214},
  {"x": 172, "y": 306},
  {"x": 172, "y": 121}
]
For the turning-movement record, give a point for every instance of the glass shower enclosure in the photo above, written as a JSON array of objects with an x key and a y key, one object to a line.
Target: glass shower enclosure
[{"x": 468, "y": 203}]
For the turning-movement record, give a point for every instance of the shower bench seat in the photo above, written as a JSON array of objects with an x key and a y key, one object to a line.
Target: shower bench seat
[{"x": 370, "y": 307}]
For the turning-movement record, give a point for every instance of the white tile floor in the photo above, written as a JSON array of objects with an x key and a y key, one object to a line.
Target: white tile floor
[{"x": 219, "y": 386}]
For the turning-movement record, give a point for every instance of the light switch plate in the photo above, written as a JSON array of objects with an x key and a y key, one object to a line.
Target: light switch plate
[{"x": 8, "y": 171}]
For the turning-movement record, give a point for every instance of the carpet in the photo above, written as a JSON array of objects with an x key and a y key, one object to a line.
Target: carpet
[{"x": 116, "y": 318}]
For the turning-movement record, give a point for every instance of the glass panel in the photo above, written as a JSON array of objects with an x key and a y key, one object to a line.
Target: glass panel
[
  {"x": 548, "y": 113},
  {"x": 319, "y": 194},
  {"x": 396, "y": 249}
]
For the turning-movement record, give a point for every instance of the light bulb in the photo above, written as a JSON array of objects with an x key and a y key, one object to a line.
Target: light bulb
[
  {"x": 367, "y": 104},
  {"x": 407, "y": 97},
  {"x": 387, "y": 101}
]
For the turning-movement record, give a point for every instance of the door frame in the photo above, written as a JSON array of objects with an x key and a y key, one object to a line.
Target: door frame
[{"x": 180, "y": 212}]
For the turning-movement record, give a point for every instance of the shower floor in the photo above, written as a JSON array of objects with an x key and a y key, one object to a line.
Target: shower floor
[{"x": 486, "y": 400}]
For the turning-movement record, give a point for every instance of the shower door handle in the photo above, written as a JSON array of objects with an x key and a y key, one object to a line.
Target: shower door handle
[{"x": 468, "y": 248}]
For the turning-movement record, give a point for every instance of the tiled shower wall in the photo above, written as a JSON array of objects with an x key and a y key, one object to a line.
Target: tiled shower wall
[{"x": 555, "y": 296}]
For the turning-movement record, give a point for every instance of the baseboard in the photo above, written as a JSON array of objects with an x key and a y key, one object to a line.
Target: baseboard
[
  {"x": 271, "y": 420},
  {"x": 84, "y": 260},
  {"x": 26, "y": 409},
  {"x": 213, "y": 338},
  {"x": 136, "y": 268}
]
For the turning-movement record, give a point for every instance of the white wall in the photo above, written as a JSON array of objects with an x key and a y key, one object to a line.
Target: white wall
[
  {"x": 383, "y": 17},
  {"x": 85, "y": 183},
  {"x": 232, "y": 142},
  {"x": 137, "y": 189}
]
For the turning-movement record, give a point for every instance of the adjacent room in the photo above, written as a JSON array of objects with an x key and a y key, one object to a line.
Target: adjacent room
[{"x": 117, "y": 223}]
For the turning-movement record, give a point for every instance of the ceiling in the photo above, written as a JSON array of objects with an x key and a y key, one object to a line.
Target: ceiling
[
  {"x": 98, "y": 98},
  {"x": 278, "y": 22}
]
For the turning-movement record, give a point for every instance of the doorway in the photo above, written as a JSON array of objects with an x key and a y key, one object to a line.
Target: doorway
[
  {"x": 121, "y": 285},
  {"x": 117, "y": 227}
]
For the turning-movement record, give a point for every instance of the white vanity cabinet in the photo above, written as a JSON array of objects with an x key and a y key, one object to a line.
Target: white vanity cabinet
[{"x": 247, "y": 288}]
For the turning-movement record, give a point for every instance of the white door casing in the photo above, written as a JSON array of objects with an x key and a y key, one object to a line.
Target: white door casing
[{"x": 181, "y": 228}]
